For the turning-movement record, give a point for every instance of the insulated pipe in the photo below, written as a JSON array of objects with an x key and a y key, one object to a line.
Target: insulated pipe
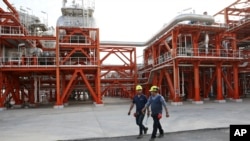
[
  {"x": 183, "y": 17},
  {"x": 206, "y": 42}
]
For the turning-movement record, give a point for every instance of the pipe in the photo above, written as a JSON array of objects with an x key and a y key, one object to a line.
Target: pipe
[
  {"x": 243, "y": 64},
  {"x": 183, "y": 17},
  {"x": 206, "y": 42},
  {"x": 225, "y": 44}
]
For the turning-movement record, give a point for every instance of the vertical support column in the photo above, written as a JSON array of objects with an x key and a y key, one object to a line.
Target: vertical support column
[
  {"x": 38, "y": 89},
  {"x": 134, "y": 65},
  {"x": 32, "y": 94},
  {"x": 190, "y": 89},
  {"x": 59, "y": 103},
  {"x": 197, "y": 99},
  {"x": 229, "y": 78},
  {"x": 34, "y": 86},
  {"x": 219, "y": 97},
  {"x": 98, "y": 72},
  {"x": 176, "y": 80},
  {"x": 31, "y": 97},
  {"x": 1, "y": 92},
  {"x": 236, "y": 96},
  {"x": 196, "y": 82}
]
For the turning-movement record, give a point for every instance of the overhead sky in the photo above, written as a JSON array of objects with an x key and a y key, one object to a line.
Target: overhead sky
[{"x": 125, "y": 20}]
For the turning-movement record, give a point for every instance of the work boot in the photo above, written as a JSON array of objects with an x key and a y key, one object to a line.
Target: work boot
[
  {"x": 145, "y": 130},
  {"x": 139, "y": 136},
  {"x": 152, "y": 139},
  {"x": 161, "y": 135}
]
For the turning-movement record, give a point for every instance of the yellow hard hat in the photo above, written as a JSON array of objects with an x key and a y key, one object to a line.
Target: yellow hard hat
[
  {"x": 138, "y": 87},
  {"x": 154, "y": 89}
]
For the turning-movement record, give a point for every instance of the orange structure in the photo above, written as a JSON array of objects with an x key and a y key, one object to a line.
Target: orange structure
[
  {"x": 37, "y": 67},
  {"x": 190, "y": 58},
  {"x": 201, "y": 59}
]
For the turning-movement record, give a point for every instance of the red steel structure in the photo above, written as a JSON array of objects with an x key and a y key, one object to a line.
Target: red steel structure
[
  {"x": 68, "y": 69},
  {"x": 197, "y": 60},
  {"x": 200, "y": 59}
]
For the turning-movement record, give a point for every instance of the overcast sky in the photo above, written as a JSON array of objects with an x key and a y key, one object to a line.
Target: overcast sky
[{"x": 125, "y": 20}]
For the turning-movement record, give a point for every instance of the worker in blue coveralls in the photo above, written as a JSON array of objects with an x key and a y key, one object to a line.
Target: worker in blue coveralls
[
  {"x": 157, "y": 102},
  {"x": 139, "y": 100}
]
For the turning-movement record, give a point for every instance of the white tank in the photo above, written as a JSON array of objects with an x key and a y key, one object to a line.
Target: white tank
[{"x": 77, "y": 14}]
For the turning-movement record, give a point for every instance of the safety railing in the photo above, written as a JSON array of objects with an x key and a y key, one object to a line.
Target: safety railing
[
  {"x": 78, "y": 39},
  {"x": 47, "y": 62},
  {"x": 79, "y": 61},
  {"x": 11, "y": 30},
  {"x": 199, "y": 53}
]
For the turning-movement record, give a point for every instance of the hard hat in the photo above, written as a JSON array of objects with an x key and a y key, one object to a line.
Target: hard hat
[
  {"x": 138, "y": 87},
  {"x": 154, "y": 89}
]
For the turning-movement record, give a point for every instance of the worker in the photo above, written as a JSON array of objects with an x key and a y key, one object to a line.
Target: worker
[
  {"x": 139, "y": 100},
  {"x": 157, "y": 102}
]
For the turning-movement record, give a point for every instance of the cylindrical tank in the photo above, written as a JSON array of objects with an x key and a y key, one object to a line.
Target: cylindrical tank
[
  {"x": 76, "y": 21},
  {"x": 77, "y": 14}
]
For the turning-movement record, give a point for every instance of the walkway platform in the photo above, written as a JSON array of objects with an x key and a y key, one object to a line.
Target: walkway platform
[{"x": 110, "y": 121}]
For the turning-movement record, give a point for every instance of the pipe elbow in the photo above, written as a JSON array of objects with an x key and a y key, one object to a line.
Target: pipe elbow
[{"x": 243, "y": 64}]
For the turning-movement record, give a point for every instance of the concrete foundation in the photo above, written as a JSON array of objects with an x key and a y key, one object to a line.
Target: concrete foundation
[
  {"x": 206, "y": 99},
  {"x": 176, "y": 103},
  {"x": 17, "y": 106},
  {"x": 98, "y": 105},
  {"x": 58, "y": 107},
  {"x": 237, "y": 100},
  {"x": 197, "y": 102},
  {"x": 220, "y": 101},
  {"x": 2, "y": 109},
  {"x": 32, "y": 105}
]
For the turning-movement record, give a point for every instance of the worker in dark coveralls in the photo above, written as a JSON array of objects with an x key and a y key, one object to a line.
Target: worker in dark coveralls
[
  {"x": 139, "y": 100},
  {"x": 157, "y": 102}
]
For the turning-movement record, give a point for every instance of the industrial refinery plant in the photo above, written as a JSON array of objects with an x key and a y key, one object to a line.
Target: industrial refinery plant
[{"x": 192, "y": 58}]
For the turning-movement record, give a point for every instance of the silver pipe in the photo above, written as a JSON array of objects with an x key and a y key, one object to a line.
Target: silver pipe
[
  {"x": 206, "y": 42},
  {"x": 183, "y": 17},
  {"x": 212, "y": 88}
]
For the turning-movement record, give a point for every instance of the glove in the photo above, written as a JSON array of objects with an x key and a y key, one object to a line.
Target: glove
[{"x": 159, "y": 116}]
